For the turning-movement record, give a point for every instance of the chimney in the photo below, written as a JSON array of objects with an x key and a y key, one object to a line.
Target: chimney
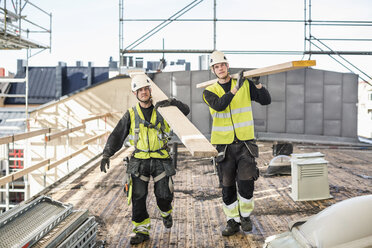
[
  {"x": 21, "y": 66},
  {"x": 79, "y": 63},
  {"x": 90, "y": 74},
  {"x": 61, "y": 71},
  {"x": 113, "y": 65}
]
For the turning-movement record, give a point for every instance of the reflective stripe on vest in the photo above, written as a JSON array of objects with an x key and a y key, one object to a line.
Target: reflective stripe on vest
[
  {"x": 149, "y": 138},
  {"x": 236, "y": 118}
]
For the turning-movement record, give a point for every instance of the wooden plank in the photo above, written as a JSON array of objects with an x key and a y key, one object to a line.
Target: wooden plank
[
  {"x": 21, "y": 173},
  {"x": 189, "y": 135},
  {"x": 87, "y": 141},
  {"x": 64, "y": 159},
  {"x": 21, "y": 136},
  {"x": 27, "y": 135},
  {"x": 96, "y": 117},
  {"x": 61, "y": 133},
  {"x": 6, "y": 139},
  {"x": 288, "y": 66},
  {"x": 12, "y": 80}
]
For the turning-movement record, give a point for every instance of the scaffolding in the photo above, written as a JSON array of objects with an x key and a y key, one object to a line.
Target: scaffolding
[
  {"x": 312, "y": 45},
  {"x": 20, "y": 23}
]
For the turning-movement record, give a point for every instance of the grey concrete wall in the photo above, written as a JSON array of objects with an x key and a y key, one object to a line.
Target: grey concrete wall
[{"x": 307, "y": 104}]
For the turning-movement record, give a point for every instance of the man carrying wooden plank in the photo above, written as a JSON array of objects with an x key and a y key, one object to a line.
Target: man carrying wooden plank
[
  {"x": 149, "y": 133},
  {"x": 229, "y": 102}
]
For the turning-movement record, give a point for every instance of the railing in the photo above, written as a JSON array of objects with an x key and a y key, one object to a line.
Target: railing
[{"x": 47, "y": 163}]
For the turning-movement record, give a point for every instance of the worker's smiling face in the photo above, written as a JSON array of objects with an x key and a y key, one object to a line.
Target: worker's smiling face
[
  {"x": 143, "y": 94},
  {"x": 221, "y": 70}
]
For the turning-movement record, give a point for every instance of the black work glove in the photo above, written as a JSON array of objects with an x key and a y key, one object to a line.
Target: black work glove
[
  {"x": 255, "y": 80},
  {"x": 165, "y": 103},
  {"x": 105, "y": 161},
  {"x": 240, "y": 80}
]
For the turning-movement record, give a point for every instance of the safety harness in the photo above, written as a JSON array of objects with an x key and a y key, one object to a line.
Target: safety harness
[
  {"x": 138, "y": 120},
  {"x": 159, "y": 119}
]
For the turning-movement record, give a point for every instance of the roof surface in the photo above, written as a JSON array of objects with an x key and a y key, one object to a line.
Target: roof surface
[
  {"x": 42, "y": 83},
  {"x": 197, "y": 214}
]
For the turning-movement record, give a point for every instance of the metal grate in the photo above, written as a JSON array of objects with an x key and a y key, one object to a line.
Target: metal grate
[
  {"x": 26, "y": 224},
  {"x": 62, "y": 230},
  {"x": 81, "y": 235}
]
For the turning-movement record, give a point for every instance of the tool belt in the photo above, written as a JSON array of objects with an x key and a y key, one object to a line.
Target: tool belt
[{"x": 133, "y": 168}]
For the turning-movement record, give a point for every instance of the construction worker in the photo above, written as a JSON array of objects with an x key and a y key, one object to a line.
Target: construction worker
[
  {"x": 229, "y": 102},
  {"x": 148, "y": 132}
]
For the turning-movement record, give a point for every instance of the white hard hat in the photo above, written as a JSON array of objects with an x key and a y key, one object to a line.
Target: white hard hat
[
  {"x": 216, "y": 58},
  {"x": 140, "y": 81}
]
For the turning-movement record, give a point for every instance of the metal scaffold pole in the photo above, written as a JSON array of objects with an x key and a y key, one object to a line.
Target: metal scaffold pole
[
  {"x": 121, "y": 32},
  {"x": 214, "y": 24}
]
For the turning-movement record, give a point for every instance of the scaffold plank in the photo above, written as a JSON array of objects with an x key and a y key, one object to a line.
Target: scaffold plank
[{"x": 25, "y": 225}]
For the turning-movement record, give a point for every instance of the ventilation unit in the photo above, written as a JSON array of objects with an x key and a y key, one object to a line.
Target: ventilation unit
[{"x": 309, "y": 177}]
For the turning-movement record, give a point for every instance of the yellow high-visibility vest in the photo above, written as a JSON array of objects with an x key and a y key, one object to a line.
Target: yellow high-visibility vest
[
  {"x": 149, "y": 138},
  {"x": 236, "y": 118}
]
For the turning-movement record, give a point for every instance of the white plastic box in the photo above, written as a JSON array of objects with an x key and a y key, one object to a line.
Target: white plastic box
[{"x": 309, "y": 177}]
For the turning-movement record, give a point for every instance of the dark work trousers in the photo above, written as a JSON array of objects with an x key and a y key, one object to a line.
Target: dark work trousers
[
  {"x": 164, "y": 197},
  {"x": 238, "y": 168}
]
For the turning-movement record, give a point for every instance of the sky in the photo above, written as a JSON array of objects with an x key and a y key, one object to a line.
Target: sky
[{"x": 88, "y": 31}]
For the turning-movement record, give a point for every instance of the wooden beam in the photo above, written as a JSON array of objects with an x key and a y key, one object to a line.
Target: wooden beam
[
  {"x": 21, "y": 136},
  {"x": 289, "y": 66},
  {"x": 64, "y": 159},
  {"x": 189, "y": 135},
  {"x": 94, "y": 138},
  {"x": 21, "y": 173},
  {"x": 61, "y": 133},
  {"x": 95, "y": 117}
]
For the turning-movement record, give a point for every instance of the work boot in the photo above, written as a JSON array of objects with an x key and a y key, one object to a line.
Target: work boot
[
  {"x": 168, "y": 221},
  {"x": 246, "y": 224},
  {"x": 139, "y": 238},
  {"x": 231, "y": 228}
]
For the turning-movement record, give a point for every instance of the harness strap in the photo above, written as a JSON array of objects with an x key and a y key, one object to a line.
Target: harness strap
[
  {"x": 156, "y": 179},
  {"x": 138, "y": 120},
  {"x": 159, "y": 177},
  {"x": 144, "y": 178}
]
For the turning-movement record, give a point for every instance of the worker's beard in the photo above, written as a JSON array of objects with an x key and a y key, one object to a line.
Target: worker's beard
[{"x": 147, "y": 101}]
